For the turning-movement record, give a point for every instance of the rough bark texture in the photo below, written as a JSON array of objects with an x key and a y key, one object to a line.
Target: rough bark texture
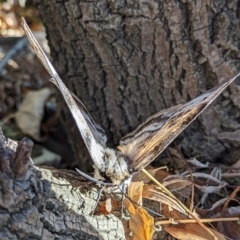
[
  {"x": 47, "y": 203},
  {"x": 129, "y": 59}
]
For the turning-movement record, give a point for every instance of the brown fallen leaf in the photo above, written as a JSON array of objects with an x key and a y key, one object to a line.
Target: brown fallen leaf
[
  {"x": 141, "y": 223},
  {"x": 156, "y": 194},
  {"x": 176, "y": 184},
  {"x": 135, "y": 192},
  {"x": 30, "y": 114},
  {"x": 209, "y": 212},
  {"x": 234, "y": 171},
  {"x": 158, "y": 173},
  {"x": 168, "y": 212},
  {"x": 230, "y": 229},
  {"x": 232, "y": 212},
  {"x": 191, "y": 231},
  {"x": 104, "y": 207}
]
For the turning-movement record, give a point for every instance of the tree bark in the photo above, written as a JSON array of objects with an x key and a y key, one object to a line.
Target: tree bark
[
  {"x": 129, "y": 59},
  {"x": 45, "y": 203}
]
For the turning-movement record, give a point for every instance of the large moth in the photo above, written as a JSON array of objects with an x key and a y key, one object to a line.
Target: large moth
[{"x": 138, "y": 148}]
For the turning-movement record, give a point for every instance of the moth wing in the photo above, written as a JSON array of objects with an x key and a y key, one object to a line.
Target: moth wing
[
  {"x": 97, "y": 131},
  {"x": 144, "y": 144},
  {"x": 87, "y": 127}
]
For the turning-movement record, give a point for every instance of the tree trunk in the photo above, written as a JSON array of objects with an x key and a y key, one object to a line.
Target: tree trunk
[{"x": 129, "y": 59}]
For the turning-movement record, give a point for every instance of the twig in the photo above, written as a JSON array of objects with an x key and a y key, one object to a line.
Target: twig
[
  {"x": 205, "y": 220},
  {"x": 15, "y": 49}
]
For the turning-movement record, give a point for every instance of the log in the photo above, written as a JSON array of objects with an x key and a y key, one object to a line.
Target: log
[{"x": 46, "y": 203}]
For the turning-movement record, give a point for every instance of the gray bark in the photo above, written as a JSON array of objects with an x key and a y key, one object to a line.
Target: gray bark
[
  {"x": 129, "y": 59},
  {"x": 45, "y": 203}
]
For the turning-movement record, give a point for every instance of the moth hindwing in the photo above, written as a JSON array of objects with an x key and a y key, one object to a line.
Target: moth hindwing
[{"x": 138, "y": 148}]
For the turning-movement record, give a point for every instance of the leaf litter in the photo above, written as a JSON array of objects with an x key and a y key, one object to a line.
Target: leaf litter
[{"x": 216, "y": 204}]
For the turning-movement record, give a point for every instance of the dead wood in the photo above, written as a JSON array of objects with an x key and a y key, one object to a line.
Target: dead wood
[{"x": 45, "y": 203}]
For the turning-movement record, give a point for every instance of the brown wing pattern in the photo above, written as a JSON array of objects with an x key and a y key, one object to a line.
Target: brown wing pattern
[{"x": 144, "y": 144}]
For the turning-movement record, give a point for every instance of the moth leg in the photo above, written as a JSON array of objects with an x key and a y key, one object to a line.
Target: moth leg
[
  {"x": 100, "y": 183},
  {"x": 98, "y": 199},
  {"x": 124, "y": 189},
  {"x": 124, "y": 192}
]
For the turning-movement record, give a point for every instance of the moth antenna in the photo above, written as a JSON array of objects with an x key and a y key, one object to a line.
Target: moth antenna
[
  {"x": 123, "y": 190},
  {"x": 93, "y": 179},
  {"x": 97, "y": 201}
]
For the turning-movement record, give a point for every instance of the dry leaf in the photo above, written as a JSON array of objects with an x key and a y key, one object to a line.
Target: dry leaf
[
  {"x": 196, "y": 163},
  {"x": 135, "y": 192},
  {"x": 205, "y": 212},
  {"x": 104, "y": 207},
  {"x": 230, "y": 229},
  {"x": 30, "y": 114},
  {"x": 168, "y": 212},
  {"x": 236, "y": 164},
  {"x": 182, "y": 186},
  {"x": 157, "y": 173},
  {"x": 176, "y": 184},
  {"x": 205, "y": 176},
  {"x": 234, "y": 171},
  {"x": 211, "y": 189},
  {"x": 174, "y": 152},
  {"x": 191, "y": 231},
  {"x": 232, "y": 212},
  {"x": 156, "y": 194},
  {"x": 141, "y": 223}
]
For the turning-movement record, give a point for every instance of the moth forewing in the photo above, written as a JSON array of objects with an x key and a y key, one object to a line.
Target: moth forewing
[
  {"x": 95, "y": 149},
  {"x": 97, "y": 131},
  {"x": 145, "y": 143}
]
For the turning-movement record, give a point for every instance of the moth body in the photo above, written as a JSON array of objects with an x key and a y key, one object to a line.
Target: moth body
[{"x": 116, "y": 168}]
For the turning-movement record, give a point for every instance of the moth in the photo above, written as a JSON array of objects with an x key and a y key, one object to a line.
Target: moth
[{"x": 138, "y": 148}]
